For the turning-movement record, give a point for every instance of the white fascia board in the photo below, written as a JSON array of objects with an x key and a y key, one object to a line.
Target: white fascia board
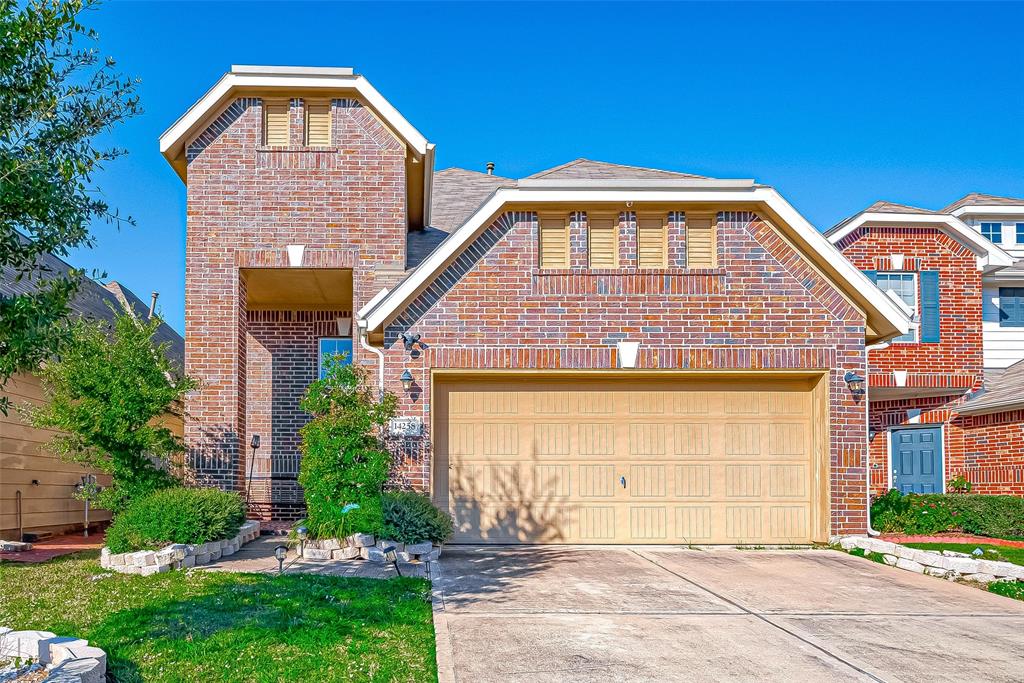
[
  {"x": 632, "y": 184},
  {"x": 361, "y": 313},
  {"x": 989, "y": 210},
  {"x": 989, "y": 254},
  {"x": 767, "y": 195},
  {"x": 175, "y": 135}
]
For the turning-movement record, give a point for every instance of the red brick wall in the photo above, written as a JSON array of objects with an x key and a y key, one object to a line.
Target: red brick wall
[
  {"x": 994, "y": 452},
  {"x": 346, "y": 203},
  {"x": 763, "y": 308}
]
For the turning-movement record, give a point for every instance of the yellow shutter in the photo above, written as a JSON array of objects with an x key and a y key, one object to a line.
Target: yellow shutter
[
  {"x": 701, "y": 247},
  {"x": 604, "y": 241},
  {"x": 554, "y": 242},
  {"x": 275, "y": 124},
  {"x": 318, "y": 124},
  {"x": 652, "y": 242}
]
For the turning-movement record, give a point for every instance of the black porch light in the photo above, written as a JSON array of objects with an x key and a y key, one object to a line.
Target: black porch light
[
  {"x": 407, "y": 379},
  {"x": 855, "y": 382}
]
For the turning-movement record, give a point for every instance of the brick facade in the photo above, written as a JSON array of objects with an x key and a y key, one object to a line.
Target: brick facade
[
  {"x": 763, "y": 308},
  {"x": 246, "y": 203}
]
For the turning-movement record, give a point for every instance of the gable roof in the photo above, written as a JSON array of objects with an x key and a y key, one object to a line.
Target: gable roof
[
  {"x": 884, "y": 318},
  {"x": 602, "y": 170},
  {"x": 977, "y": 198},
  {"x": 1006, "y": 393}
]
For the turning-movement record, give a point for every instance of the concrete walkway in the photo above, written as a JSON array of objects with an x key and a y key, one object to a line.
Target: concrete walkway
[
  {"x": 561, "y": 613},
  {"x": 258, "y": 558}
]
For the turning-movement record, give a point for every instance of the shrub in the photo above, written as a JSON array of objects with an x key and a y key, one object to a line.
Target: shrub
[
  {"x": 993, "y": 516},
  {"x": 411, "y": 518},
  {"x": 343, "y": 459},
  {"x": 176, "y": 515}
]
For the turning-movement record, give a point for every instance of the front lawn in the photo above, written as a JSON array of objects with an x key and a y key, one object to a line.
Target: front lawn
[
  {"x": 217, "y": 626},
  {"x": 998, "y": 553}
]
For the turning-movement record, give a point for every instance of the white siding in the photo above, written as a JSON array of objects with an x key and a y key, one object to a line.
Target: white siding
[
  {"x": 1009, "y": 243},
  {"x": 1004, "y": 346}
]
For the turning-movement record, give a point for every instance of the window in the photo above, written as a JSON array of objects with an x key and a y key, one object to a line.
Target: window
[
  {"x": 701, "y": 247},
  {"x": 318, "y": 124},
  {"x": 554, "y": 242},
  {"x": 1011, "y": 307},
  {"x": 604, "y": 241},
  {"x": 1020, "y": 234},
  {"x": 902, "y": 287},
  {"x": 993, "y": 231},
  {"x": 275, "y": 123},
  {"x": 652, "y": 242},
  {"x": 331, "y": 346}
]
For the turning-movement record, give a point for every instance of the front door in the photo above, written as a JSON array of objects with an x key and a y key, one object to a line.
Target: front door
[{"x": 917, "y": 460}]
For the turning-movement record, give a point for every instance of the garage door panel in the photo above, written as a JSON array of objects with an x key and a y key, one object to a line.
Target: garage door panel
[{"x": 610, "y": 464}]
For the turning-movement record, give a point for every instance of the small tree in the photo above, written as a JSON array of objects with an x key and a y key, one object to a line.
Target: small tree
[
  {"x": 343, "y": 459},
  {"x": 56, "y": 96},
  {"x": 103, "y": 394}
]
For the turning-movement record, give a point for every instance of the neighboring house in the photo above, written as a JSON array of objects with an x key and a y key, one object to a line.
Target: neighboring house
[
  {"x": 933, "y": 414},
  {"x": 43, "y": 483},
  {"x": 606, "y": 353}
]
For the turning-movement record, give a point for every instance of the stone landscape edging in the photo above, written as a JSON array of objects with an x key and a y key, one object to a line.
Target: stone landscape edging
[
  {"x": 934, "y": 563},
  {"x": 366, "y": 547},
  {"x": 67, "y": 660},
  {"x": 178, "y": 555}
]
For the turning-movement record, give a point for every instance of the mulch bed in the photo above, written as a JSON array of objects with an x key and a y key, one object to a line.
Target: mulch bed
[{"x": 952, "y": 538}]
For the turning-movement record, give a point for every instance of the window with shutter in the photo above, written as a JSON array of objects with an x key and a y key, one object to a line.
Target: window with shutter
[
  {"x": 652, "y": 242},
  {"x": 554, "y": 242},
  {"x": 701, "y": 245},
  {"x": 318, "y": 124},
  {"x": 275, "y": 123},
  {"x": 604, "y": 241}
]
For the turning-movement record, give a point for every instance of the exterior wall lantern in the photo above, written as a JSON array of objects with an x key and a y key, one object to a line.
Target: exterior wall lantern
[
  {"x": 855, "y": 382},
  {"x": 407, "y": 380}
]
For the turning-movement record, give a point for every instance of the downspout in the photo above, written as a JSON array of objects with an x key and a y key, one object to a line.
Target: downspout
[{"x": 364, "y": 342}]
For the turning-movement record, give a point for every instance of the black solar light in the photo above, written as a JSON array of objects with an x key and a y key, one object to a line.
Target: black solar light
[
  {"x": 280, "y": 552},
  {"x": 391, "y": 555},
  {"x": 303, "y": 534}
]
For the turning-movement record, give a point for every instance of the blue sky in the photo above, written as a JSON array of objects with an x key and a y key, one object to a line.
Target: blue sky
[{"x": 836, "y": 105}]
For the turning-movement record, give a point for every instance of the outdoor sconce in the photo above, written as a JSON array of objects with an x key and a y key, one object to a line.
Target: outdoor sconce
[
  {"x": 280, "y": 552},
  {"x": 855, "y": 382},
  {"x": 391, "y": 555},
  {"x": 302, "y": 532},
  {"x": 407, "y": 380}
]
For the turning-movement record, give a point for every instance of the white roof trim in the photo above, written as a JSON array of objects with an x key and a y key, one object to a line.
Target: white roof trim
[
  {"x": 989, "y": 254},
  {"x": 989, "y": 209},
  {"x": 405, "y": 290},
  {"x": 174, "y": 138},
  {"x": 631, "y": 183}
]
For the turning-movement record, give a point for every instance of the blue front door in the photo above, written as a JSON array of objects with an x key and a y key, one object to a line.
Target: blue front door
[{"x": 917, "y": 460}]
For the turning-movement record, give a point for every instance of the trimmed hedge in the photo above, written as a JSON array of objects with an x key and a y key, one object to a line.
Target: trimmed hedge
[
  {"x": 176, "y": 515},
  {"x": 930, "y": 513},
  {"x": 411, "y": 518}
]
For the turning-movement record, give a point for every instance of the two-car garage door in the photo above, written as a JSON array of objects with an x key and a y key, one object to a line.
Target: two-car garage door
[{"x": 612, "y": 461}]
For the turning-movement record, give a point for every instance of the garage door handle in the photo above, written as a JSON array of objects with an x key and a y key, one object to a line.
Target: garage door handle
[{"x": 622, "y": 480}]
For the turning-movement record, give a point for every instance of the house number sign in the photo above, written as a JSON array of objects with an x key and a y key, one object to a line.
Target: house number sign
[{"x": 405, "y": 426}]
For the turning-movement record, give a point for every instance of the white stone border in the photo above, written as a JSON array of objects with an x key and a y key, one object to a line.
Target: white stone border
[
  {"x": 366, "y": 547},
  {"x": 945, "y": 565},
  {"x": 178, "y": 555},
  {"x": 68, "y": 660}
]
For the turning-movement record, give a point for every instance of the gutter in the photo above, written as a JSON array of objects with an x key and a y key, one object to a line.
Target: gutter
[{"x": 364, "y": 341}]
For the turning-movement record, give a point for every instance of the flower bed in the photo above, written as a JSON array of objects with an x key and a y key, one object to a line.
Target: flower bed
[
  {"x": 178, "y": 555},
  {"x": 42, "y": 656}
]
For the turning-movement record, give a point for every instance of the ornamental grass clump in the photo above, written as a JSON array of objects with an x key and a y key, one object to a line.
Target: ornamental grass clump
[{"x": 344, "y": 461}]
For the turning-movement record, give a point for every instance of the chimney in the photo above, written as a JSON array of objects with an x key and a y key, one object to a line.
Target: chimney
[
  {"x": 490, "y": 168},
  {"x": 152, "y": 304}
]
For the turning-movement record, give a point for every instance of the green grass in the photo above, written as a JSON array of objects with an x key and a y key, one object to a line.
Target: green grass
[
  {"x": 992, "y": 552},
  {"x": 206, "y": 626},
  {"x": 1013, "y": 589},
  {"x": 860, "y": 552}
]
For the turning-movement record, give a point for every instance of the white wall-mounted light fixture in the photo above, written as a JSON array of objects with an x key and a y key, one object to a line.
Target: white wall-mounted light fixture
[
  {"x": 628, "y": 351},
  {"x": 897, "y": 261},
  {"x": 900, "y": 377},
  {"x": 344, "y": 327},
  {"x": 295, "y": 252}
]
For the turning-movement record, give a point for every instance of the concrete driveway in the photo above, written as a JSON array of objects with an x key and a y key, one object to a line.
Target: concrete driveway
[{"x": 559, "y": 613}]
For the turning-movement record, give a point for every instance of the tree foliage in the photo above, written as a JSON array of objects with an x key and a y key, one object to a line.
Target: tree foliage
[
  {"x": 343, "y": 459},
  {"x": 105, "y": 393},
  {"x": 56, "y": 96}
]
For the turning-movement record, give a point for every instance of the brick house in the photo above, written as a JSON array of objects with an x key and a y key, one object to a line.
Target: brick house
[
  {"x": 596, "y": 353},
  {"x": 940, "y": 395}
]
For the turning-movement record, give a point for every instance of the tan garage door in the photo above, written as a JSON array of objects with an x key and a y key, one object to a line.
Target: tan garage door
[{"x": 589, "y": 461}]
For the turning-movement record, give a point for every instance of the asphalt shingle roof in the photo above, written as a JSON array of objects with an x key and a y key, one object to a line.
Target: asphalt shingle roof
[
  {"x": 1005, "y": 391},
  {"x": 584, "y": 169},
  {"x": 892, "y": 207},
  {"x": 987, "y": 199},
  {"x": 457, "y": 193}
]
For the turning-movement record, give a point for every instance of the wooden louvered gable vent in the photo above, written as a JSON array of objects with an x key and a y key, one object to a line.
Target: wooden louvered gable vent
[
  {"x": 604, "y": 241},
  {"x": 652, "y": 242},
  {"x": 275, "y": 123},
  {"x": 318, "y": 124},
  {"x": 554, "y": 242},
  {"x": 701, "y": 245}
]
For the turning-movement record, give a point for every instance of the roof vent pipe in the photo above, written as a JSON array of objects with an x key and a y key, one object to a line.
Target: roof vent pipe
[
  {"x": 152, "y": 304},
  {"x": 490, "y": 168}
]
